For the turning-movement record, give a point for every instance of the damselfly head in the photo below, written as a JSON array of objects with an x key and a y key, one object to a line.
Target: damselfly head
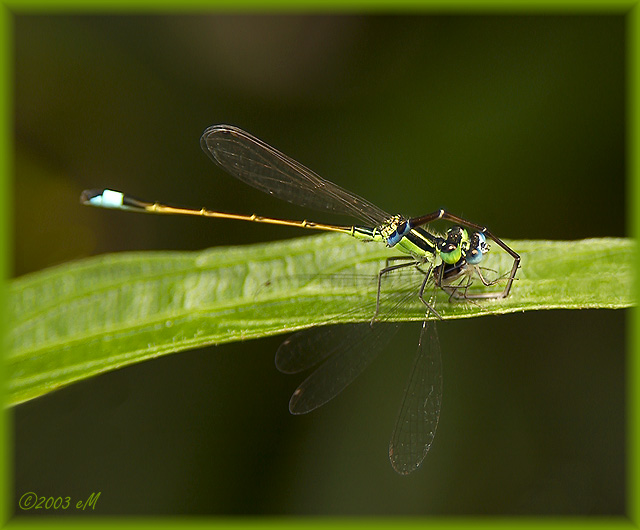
[
  {"x": 456, "y": 240},
  {"x": 477, "y": 248}
]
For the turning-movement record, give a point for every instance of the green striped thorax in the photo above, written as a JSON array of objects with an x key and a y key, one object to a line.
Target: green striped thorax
[
  {"x": 454, "y": 247},
  {"x": 456, "y": 244}
]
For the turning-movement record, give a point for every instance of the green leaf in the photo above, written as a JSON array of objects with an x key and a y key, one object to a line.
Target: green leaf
[{"x": 84, "y": 318}]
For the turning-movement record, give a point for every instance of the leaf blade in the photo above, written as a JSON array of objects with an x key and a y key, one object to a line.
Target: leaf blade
[{"x": 80, "y": 319}]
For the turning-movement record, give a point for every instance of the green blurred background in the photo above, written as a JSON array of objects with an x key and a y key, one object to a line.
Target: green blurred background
[{"x": 516, "y": 122}]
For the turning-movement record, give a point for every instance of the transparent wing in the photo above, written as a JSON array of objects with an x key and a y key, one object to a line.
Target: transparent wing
[
  {"x": 257, "y": 164},
  {"x": 355, "y": 347},
  {"x": 420, "y": 410},
  {"x": 346, "y": 349},
  {"x": 307, "y": 348}
]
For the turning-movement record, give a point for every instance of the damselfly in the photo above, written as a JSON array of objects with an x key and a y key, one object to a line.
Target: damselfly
[{"x": 440, "y": 260}]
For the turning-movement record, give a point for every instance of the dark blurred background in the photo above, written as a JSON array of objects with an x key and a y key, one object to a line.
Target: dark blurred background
[{"x": 516, "y": 122}]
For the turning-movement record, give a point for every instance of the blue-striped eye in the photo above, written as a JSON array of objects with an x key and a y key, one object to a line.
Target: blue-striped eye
[{"x": 477, "y": 248}]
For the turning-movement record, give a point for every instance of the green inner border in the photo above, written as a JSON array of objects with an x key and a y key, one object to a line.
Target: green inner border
[
  {"x": 633, "y": 194},
  {"x": 628, "y": 8}
]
